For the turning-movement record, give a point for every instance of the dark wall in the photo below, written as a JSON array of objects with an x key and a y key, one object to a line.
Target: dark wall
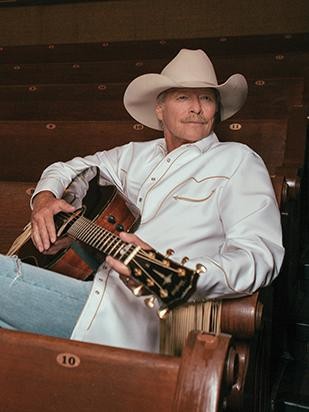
[{"x": 159, "y": 19}]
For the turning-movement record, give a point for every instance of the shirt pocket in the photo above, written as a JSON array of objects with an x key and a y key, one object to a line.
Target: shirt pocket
[{"x": 198, "y": 190}]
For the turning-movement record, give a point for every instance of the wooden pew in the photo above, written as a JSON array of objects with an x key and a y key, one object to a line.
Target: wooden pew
[
  {"x": 42, "y": 373},
  {"x": 148, "y": 49},
  {"x": 267, "y": 98},
  {"x": 290, "y": 64},
  {"x": 14, "y": 211},
  {"x": 29, "y": 146},
  {"x": 280, "y": 142},
  {"x": 89, "y": 101}
]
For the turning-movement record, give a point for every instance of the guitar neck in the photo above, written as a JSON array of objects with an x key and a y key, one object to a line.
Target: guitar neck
[{"x": 99, "y": 238}]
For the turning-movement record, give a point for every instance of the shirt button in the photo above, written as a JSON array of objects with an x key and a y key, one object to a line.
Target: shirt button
[
  {"x": 153, "y": 179},
  {"x": 140, "y": 199},
  {"x": 168, "y": 159},
  {"x": 97, "y": 292}
]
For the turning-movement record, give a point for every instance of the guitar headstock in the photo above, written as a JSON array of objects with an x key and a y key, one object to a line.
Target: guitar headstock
[{"x": 170, "y": 282}]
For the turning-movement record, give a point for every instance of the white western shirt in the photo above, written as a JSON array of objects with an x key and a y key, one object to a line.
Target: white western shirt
[{"x": 210, "y": 201}]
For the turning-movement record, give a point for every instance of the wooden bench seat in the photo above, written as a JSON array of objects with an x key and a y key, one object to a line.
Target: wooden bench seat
[
  {"x": 147, "y": 49},
  {"x": 280, "y": 142},
  {"x": 43, "y": 373},
  {"x": 14, "y": 211},
  {"x": 251, "y": 65},
  {"x": 29, "y": 146},
  {"x": 89, "y": 101},
  {"x": 268, "y": 97}
]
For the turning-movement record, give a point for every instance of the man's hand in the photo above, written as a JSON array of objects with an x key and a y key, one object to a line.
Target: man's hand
[
  {"x": 123, "y": 270},
  {"x": 45, "y": 206}
]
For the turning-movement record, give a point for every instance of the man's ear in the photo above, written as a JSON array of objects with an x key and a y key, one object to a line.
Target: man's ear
[{"x": 159, "y": 111}]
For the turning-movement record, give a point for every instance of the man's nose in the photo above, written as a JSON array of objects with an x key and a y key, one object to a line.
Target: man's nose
[{"x": 196, "y": 106}]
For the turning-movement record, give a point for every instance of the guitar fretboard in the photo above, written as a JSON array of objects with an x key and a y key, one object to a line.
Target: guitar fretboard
[{"x": 99, "y": 238}]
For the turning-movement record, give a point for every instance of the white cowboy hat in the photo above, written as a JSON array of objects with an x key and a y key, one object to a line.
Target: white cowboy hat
[{"x": 190, "y": 68}]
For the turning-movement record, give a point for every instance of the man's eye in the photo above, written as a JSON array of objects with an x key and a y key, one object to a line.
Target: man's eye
[
  {"x": 205, "y": 97},
  {"x": 182, "y": 97}
]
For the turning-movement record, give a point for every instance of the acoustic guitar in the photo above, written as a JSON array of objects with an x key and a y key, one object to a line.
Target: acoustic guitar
[{"x": 94, "y": 233}]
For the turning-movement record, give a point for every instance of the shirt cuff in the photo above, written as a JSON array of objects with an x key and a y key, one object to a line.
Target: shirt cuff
[{"x": 52, "y": 185}]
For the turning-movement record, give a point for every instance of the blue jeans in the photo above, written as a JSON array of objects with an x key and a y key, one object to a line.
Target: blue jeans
[{"x": 39, "y": 301}]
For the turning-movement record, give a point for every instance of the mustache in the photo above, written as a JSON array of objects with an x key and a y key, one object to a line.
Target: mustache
[{"x": 195, "y": 119}]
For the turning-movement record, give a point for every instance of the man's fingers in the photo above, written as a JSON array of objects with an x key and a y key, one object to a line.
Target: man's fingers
[
  {"x": 118, "y": 266},
  {"x": 64, "y": 206},
  {"x": 45, "y": 208},
  {"x": 135, "y": 240},
  {"x": 36, "y": 238}
]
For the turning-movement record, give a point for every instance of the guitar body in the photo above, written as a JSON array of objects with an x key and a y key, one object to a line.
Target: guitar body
[{"x": 103, "y": 205}]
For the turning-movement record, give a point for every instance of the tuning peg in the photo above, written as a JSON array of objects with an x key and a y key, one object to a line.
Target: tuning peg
[
  {"x": 163, "y": 312},
  {"x": 184, "y": 260},
  {"x": 199, "y": 268},
  {"x": 150, "y": 302},
  {"x": 163, "y": 293},
  {"x": 170, "y": 252},
  {"x": 150, "y": 282},
  {"x": 138, "y": 272},
  {"x": 137, "y": 291}
]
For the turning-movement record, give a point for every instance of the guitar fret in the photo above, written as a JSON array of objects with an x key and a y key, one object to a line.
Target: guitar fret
[
  {"x": 79, "y": 229},
  {"x": 103, "y": 246},
  {"x": 98, "y": 238},
  {"x": 85, "y": 231},
  {"x": 115, "y": 245},
  {"x": 102, "y": 239},
  {"x": 119, "y": 250},
  {"x": 90, "y": 231}
]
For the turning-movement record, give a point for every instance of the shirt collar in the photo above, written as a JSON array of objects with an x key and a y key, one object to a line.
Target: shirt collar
[{"x": 202, "y": 145}]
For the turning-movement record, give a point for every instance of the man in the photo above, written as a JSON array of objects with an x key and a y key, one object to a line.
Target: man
[{"x": 207, "y": 200}]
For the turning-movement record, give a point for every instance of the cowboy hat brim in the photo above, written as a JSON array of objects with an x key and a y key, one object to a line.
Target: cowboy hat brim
[{"x": 140, "y": 97}]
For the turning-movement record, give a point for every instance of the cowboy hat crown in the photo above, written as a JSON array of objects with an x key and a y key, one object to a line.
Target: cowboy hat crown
[
  {"x": 200, "y": 68},
  {"x": 189, "y": 69}
]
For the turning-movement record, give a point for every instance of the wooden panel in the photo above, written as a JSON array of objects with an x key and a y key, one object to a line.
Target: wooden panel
[
  {"x": 28, "y": 147},
  {"x": 251, "y": 65},
  {"x": 146, "y": 49},
  {"x": 14, "y": 211},
  {"x": 280, "y": 142},
  {"x": 272, "y": 97},
  {"x": 268, "y": 97},
  {"x": 63, "y": 102},
  {"x": 64, "y": 375},
  {"x": 38, "y": 374}
]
